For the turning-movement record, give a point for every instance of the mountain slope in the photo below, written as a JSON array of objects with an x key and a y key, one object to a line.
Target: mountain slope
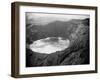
[{"x": 77, "y": 31}]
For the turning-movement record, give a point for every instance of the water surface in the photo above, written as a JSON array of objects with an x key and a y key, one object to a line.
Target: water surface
[{"x": 49, "y": 45}]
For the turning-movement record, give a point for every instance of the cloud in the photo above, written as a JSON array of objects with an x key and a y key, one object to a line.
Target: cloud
[{"x": 45, "y": 18}]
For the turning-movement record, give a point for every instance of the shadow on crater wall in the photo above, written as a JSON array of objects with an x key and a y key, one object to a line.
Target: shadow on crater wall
[{"x": 77, "y": 31}]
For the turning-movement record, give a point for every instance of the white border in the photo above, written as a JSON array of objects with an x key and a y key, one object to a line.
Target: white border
[{"x": 53, "y": 69}]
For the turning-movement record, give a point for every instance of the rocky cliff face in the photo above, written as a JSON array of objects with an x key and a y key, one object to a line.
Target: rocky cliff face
[{"x": 76, "y": 54}]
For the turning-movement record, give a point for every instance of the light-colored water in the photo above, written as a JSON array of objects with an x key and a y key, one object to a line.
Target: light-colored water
[{"x": 49, "y": 45}]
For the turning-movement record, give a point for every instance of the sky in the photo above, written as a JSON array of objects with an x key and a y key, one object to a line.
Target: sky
[{"x": 45, "y": 18}]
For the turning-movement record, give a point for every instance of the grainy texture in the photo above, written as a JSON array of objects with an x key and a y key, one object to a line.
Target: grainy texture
[{"x": 77, "y": 31}]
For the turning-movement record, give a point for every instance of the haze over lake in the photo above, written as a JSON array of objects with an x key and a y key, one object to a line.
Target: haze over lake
[{"x": 50, "y": 45}]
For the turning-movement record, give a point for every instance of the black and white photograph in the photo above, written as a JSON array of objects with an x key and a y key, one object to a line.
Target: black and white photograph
[
  {"x": 57, "y": 39},
  {"x": 52, "y": 39}
]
